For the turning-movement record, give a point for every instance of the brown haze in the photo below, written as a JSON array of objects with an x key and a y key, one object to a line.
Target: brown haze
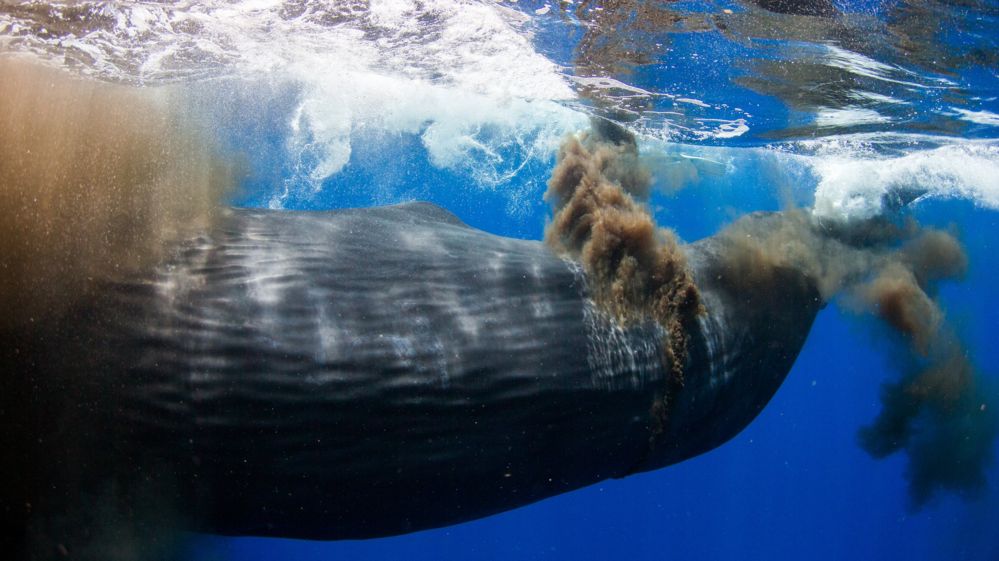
[
  {"x": 940, "y": 411},
  {"x": 637, "y": 270},
  {"x": 94, "y": 179}
]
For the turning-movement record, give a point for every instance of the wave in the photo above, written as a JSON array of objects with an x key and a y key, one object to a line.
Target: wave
[
  {"x": 853, "y": 180},
  {"x": 848, "y": 177}
]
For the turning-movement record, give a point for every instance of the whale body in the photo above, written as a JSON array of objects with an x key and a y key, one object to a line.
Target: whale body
[{"x": 370, "y": 372}]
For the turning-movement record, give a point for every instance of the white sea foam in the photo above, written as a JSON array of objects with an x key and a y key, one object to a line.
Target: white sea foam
[
  {"x": 459, "y": 75},
  {"x": 464, "y": 131},
  {"x": 845, "y": 177},
  {"x": 852, "y": 184},
  {"x": 610, "y": 84},
  {"x": 731, "y": 129}
]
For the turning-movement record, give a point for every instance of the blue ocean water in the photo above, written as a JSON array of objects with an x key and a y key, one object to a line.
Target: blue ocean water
[{"x": 738, "y": 107}]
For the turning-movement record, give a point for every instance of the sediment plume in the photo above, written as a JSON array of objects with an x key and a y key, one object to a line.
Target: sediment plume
[
  {"x": 95, "y": 179},
  {"x": 941, "y": 410},
  {"x": 637, "y": 271}
]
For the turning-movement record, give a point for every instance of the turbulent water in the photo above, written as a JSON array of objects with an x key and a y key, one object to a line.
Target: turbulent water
[
  {"x": 848, "y": 109},
  {"x": 864, "y": 99}
]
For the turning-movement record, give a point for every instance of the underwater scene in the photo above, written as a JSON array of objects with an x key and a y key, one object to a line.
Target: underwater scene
[{"x": 499, "y": 279}]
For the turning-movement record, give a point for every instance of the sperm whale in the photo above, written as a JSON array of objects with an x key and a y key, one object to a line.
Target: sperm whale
[
  {"x": 169, "y": 363},
  {"x": 370, "y": 372}
]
